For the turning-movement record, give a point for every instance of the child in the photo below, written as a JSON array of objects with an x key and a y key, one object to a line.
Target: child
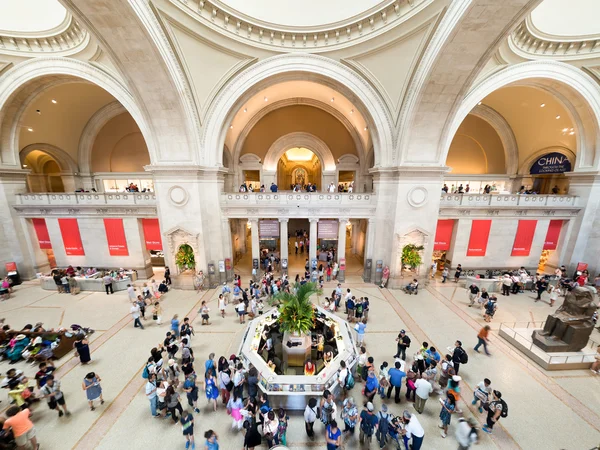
[
  {"x": 222, "y": 304},
  {"x": 482, "y": 393},
  {"x": 157, "y": 313},
  {"x": 187, "y": 426},
  {"x": 234, "y": 408},
  {"x": 204, "y": 309},
  {"x": 384, "y": 383}
]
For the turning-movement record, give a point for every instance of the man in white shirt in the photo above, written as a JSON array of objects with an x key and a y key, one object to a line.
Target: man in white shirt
[
  {"x": 135, "y": 314},
  {"x": 413, "y": 430},
  {"x": 423, "y": 389},
  {"x": 506, "y": 284},
  {"x": 342, "y": 375},
  {"x": 131, "y": 293},
  {"x": 466, "y": 433}
]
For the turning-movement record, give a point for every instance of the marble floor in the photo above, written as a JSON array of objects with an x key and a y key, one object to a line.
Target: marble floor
[{"x": 547, "y": 410}]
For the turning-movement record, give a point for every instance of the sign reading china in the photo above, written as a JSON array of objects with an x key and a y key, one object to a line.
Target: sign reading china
[
  {"x": 480, "y": 232},
  {"x": 443, "y": 234},
  {"x": 327, "y": 229},
  {"x": 268, "y": 229},
  {"x": 41, "y": 230},
  {"x": 551, "y": 163},
  {"x": 524, "y": 238},
  {"x": 69, "y": 229},
  {"x": 115, "y": 236}
]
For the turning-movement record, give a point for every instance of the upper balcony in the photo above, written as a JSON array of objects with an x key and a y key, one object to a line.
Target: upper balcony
[
  {"x": 86, "y": 204},
  {"x": 298, "y": 204}
]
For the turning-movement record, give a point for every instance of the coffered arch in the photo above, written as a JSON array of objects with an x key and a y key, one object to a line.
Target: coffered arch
[{"x": 299, "y": 139}]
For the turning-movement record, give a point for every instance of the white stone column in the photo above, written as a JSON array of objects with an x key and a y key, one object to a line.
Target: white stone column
[
  {"x": 69, "y": 182},
  {"x": 283, "y": 239},
  {"x": 341, "y": 253},
  {"x": 312, "y": 254},
  {"x": 327, "y": 178},
  {"x": 227, "y": 246},
  {"x": 255, "y": 239},
  {"x": 370, "y": 248}
]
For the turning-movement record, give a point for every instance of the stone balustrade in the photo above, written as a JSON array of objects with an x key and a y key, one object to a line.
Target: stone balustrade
[
  {"x": 88, "y": 199},
  {"x": 508, "y": 200}
]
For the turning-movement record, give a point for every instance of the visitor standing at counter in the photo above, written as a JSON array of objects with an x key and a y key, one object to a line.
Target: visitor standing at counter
[{"x": 107, "y": 279}]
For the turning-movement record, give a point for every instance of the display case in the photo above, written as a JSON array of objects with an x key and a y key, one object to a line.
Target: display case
[{"x": 293, "y": 391}]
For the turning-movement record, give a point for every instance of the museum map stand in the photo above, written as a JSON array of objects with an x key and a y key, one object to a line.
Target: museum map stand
[{"x": 293, "y": 391}]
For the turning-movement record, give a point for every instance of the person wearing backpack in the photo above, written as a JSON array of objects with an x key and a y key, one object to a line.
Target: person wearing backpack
[
  {"x": 383, "y": 425},
  {"x": 466, "y": 433},
  {"x": 368, "y": 422},
  {"x": 459, "y": 356},
  {"x": 497, "y": 408}
]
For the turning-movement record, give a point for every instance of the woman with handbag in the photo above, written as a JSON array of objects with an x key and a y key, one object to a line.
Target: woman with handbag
[{"x": 270, "y": 428}]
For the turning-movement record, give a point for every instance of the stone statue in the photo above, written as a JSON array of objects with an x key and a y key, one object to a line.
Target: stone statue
[{"x": 569, "y": 328}]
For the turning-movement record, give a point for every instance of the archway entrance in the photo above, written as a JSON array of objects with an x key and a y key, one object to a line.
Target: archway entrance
[{"x": 298, "y": 167}]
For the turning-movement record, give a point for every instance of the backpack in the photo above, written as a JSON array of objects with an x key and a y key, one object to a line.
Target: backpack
[
  {"x": 146, "y": 372},
  {"x": 464, "y": 358},
  {"x": 407, "y": 341},
  {"x": 504, "y": 412},
  {"x": 349, "y": 381},
  {"x": 383, "y": 425},
  {"x": 367, "y": 427},
  {"x": 359, "y": 308}
]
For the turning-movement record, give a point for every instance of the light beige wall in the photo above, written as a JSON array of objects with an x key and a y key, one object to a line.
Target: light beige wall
[
  {"x": 120, "y": 147},
  {"x": 476, "y": 149},
  {"x": 299, "y": 118}
]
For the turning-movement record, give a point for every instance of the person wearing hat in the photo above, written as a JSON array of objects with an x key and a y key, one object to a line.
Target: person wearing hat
[
  {"x": 383, "y": 425},
  {"x": 368, "y": 423},
  {"x": 413, "y": 431},
  {"x": 21, "y": 343},
  {"x": 403, "y": 343},
  {"x": 466, "y": 433}
]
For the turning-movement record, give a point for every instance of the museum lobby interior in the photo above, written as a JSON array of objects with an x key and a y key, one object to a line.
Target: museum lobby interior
[{"x": 390, "y": 139}]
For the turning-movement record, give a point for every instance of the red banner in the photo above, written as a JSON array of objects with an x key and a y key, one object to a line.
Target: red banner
[
  {"x": 480, "y": 232},
  {"x": 69, "y": 229},
  {"x": 10, "y": 266},
  {"x": 553, "y": 234},
  {"x": 524, "y": 238},
  {"x": 41, "y": 230},
  {"x": 152, "y": 234},
  {"x": 443, "y": 234},
  {"x": 115, "y": 236}
]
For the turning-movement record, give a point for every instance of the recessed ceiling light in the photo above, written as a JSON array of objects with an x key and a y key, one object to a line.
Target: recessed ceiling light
[
  {"x": 54, "y": 101},
  {"x": 542, "y": 105},
  {"x": 29, "y": 129},
  {"x": 366, "y": 128},
  {"x": 351, "y": 111},
  {"x": 39, "y": 111},
  {"x": 572, "y": 133},
  {"x": 231, "y": 126},
  {"x": 332, "y": 99},
  {"x": 245, "y": 109},
  {"x": 266, "y": 99},
  {"x": 565, "y": 130},
  {"x": 558, "y": 117},
  {"x": 24, "y": 166},
  {"x": 479, "y": 103}
]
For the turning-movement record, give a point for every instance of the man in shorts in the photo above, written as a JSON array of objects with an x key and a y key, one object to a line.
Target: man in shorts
[
  {"x": 51, "y": 391},
  {"x": 22, "y": 427}
]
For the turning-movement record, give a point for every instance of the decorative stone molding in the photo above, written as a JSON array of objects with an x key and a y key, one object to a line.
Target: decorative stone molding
[
  {"x": 529, "y": 42},
  {"x": 578, "y": 90},
  {"x": 64, "y": 160},
  {"x": 240, "y": 27},
  {"x": 66, "y": 39},
  {"x": 280, "y": 68},
  {"x": 178, "y": 236},
  {"x": 417, "y": 196},
  {"x": 505, "y": 133},
  {"x": 178, "y": 195},
  {"x": 299, "y": 139}
]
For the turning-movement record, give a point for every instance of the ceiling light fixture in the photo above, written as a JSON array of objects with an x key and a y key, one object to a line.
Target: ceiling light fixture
[
  {"x": 572, "y": 133},
  {"x": 245, "y": 109},
  {"x": 479, "y": 104},
  {"x": 266, "y": 99},
  {"x": 54, "y": 101},
  {"x": 24, "y": 166},
  {"x": 231, "y": 127},
  {"x": 542, "y": 105},
  {"x": 29, "y": 129},
  {"x": 366, "y": 128},
  {"x": 557, "y": 117},
  {"x": 39, "y": 111},
  {"x": 332, "y": 99},
  {"x": 351, "y": 111}
]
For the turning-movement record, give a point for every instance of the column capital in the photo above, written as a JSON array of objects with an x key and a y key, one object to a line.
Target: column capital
[
  {"x": 313, "y": 220},
  {"x": 284, "y": 220},
  {"x": 344, "y": 220},
  {"x": 253, "y": 220}
]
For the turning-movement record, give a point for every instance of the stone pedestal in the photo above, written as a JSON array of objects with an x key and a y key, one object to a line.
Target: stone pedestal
[
  {"x": 563, "y": 336},
  {"x": 296, "y": 355}
]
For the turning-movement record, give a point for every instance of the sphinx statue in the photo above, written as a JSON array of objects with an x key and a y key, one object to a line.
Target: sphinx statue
[{"x": 569, "y": 328}]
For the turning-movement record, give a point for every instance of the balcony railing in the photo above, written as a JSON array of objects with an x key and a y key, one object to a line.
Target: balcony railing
[
  {"x": 508, "y": 200},
  {"x": 297, "y": 198},
  {"x": 87, "y": 199}
]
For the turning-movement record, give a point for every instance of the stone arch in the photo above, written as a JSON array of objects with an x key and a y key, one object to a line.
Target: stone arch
[
  {"x": 292, "y": 67},
  {"x": 526, "y": 166},
  {"x": 63, "y": 159},
  {"x": 509, "y": 142},
  {"x": 573, "y": 87},
  {"x": 299, "y": 139},
  {"x": 21, "y": 84},
  {"x": 90, "y": 132}
]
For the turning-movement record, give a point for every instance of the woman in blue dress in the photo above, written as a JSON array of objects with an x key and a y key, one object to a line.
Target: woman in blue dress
[
  {"x": 210, "y": 384},
  {"x": 92, "y": 388},
  {"x": 448, "y": 408}
]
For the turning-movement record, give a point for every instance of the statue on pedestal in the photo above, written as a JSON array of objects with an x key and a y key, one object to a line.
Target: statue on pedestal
[{"x": 569, "y": 328}]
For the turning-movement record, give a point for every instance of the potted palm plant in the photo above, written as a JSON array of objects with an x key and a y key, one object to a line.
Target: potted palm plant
[{"x": 296, "y": 319}]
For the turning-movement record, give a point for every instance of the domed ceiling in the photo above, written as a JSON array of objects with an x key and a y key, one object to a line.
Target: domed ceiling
[
  {"x": 30, "y": 16},
  {"x": 308, "y": 13},
  {"x": 567, "y": 19}
]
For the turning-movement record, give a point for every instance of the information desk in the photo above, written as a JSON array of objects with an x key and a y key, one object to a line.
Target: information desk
[
  {"x": 293, "y": 391},
  {"x": 87, "y": 284},
  {"x": 490, "y": 284}
]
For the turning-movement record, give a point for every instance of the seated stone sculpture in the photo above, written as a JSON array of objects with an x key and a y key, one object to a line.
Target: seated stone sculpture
[{"x": 569, "y": 328}]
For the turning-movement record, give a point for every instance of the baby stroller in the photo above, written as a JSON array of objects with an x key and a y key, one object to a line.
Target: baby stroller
[{"x": 395, "y": 434}]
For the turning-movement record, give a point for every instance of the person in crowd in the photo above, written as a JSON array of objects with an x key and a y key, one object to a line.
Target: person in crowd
[
  {"x": 412, "y": 287},
  {"x": 212, "y": 442},
  {"x": 445, "y": 273},
  {"x": 473, "y": 292},
  {"x": 73, "y": 286},
  {"x": 384, "y": 379},
  {"x": 360, "y": 328},
  {"x": 327, "y": 407},
  {"x": 413, "y": 431},
  {"x": 270, "y": 427},
  {"x": 496, "y": 408},
  {"x": 403, "y": 344},
  {"x": 187, "y": 427},
  {"x": 157, "y": 313},
  {"x": 234, "y": 408},
  {"x": 22, "y": 427},
  {"x": 423, "y": 389},
  {"x": 541, "y": 285},
  {"x": 482, "y": 393},
  {"x": 490, "y": 308},
  {"x": 173, "y": 405},
  {"x": 151, "y": 394},
  {"x": 466, "y": 433},
  {"x": 333, "y": 436},
  {"x": 383, "y": 425},
  {"x": 396, "y": 375},
  {"x": 371, "y": 385},
  {"x": 92, "y": 388},
  {"x": 458, "y": 273},
  {"x": 252, "y": 437},
  {"x": 135, "y": 314},
  {"x": 282, "y": 426},
  {"x": 482, "y": 339},
  {"x": 457, "y": 356},
  {"x": 506, "y": 284},
  {"x": 167, "y": 276},
  {"x": 349, "y": 415},
  {"x": 56, "y": 398},
  {"x": 448, "y": 408},
  {"x": 310, "y": 417},
  {"x": 385, "y": 277},
  {"x": 210, "y": 387},
  {"x": 367, "y": 424}
]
